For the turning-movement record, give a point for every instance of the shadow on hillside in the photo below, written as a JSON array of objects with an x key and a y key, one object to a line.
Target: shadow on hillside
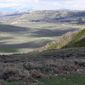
[
  {"x": 49, "y": 33},
  {"x": 5, "y": 38},
  {"x": 33, "y": 44},
  {"x": 10, "y": 28},
  {"x": 35, "y": 33}
]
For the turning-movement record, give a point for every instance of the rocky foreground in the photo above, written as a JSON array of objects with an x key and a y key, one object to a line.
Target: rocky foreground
[{"x": 30, "y": 67}]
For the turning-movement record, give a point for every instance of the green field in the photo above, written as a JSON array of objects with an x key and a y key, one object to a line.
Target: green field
[
  {"x": 60, "y": 80},
  {"x": 7, "y": 50},
  {"x": 65, "y": 80}
]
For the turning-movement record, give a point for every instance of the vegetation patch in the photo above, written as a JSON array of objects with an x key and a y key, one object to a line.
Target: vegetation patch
[
  {"x": 69, "y": 40},
  {"x": 8, "y": 50},
  {"x": 78, "y": 40},
  {"x": 16, "y": 83},
  {"x": 59, "y": 80},
  {"x": 64, "y": 80}
]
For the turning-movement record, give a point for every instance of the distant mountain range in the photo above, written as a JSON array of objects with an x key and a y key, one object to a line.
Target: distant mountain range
[
  {"x": 5, "y": 16},
  {"x": 50, "y": 16}
]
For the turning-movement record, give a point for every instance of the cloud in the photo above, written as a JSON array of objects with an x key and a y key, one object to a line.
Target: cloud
[
  {"x": 12, "y": 3},
  {"x": 61, "y": 4},
  {"x": 18, "y": 1},
  {"x": 75, "y": 4},
  {"x": 42, "y": 4},
  {"x": 17, "y": 4}
]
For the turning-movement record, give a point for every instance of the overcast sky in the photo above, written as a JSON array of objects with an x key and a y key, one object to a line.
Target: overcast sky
[{"x": 21, "y": 5}]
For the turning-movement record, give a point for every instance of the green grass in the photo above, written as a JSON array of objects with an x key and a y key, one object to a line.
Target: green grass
[
  {"x": 80, "y": 43},
  {"x": 8, "y": 50},
  {"x": 78, "y": 40},
  {"x": 16, "y": 83},
  {"x": 62, "y": 80},
  {"x": 75, "y": 40},
  {"x": 80, "y": 34}
]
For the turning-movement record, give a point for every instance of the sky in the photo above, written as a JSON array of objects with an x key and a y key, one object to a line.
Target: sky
[{"x": 23, "y": 5}]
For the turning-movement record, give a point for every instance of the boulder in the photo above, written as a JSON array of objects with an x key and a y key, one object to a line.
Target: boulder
[{"x": 37, "y": 74}]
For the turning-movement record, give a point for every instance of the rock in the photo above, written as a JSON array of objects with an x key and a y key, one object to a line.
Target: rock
[
  {"x": 2, "y": 82},
  {"x": 11, "y": 75},
  {"x": 37, "y": 74}
]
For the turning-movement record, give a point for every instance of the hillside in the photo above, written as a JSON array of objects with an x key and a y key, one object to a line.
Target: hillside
[
  {"x": 33, "y": 67},
  {"x": 78, "y": 40},
  {"x": 50, "y": 16},
  {"x": 70, "y": 39}
]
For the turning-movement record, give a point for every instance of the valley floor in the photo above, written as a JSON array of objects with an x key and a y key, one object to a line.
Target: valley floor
[{"x": 23, "y": 39}]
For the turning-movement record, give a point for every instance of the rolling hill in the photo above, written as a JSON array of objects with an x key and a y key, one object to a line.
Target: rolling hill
[
  {"x": 50, "y": 16},
  {"x": 32, "y": 30},
  {"x": 69, "y": 40},
  {"x": 78, "y": 40}
]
